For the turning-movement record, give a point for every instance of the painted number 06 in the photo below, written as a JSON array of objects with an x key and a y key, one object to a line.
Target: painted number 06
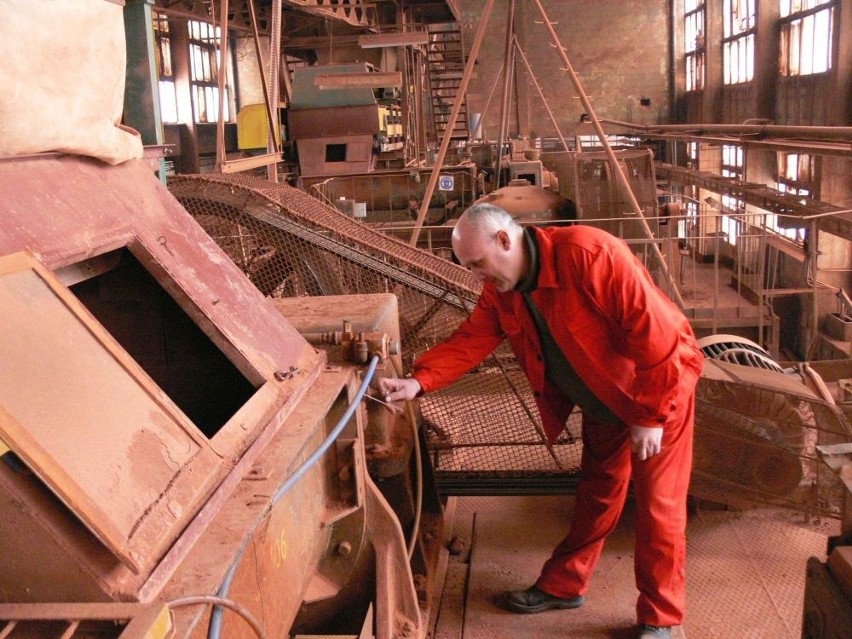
[{"x": 278, "y": 549}]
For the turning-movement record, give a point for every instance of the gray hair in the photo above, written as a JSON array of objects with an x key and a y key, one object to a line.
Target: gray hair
[{"x": 486, "y": 217}]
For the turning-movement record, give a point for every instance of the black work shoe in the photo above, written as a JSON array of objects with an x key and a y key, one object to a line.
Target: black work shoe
[
  {"x": 654, "y": 632},
  {"x": 534, "y": 600}
]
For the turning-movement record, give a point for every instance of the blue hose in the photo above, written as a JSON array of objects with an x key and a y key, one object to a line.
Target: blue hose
[{"x": 215, "y": 628}]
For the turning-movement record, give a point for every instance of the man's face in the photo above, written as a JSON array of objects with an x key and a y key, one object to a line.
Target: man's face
[{"x": 488, "y": 256}]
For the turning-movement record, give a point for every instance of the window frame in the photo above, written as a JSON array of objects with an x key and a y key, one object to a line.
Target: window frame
[
  {"x": 167, "y": 91},
  {"x": 787, "y": 66},
  {"x": 205, "y": 51},
  {"x": 731, "y": 224},
  {"x": 738, "y": 44},
  {"x": 789, "y": 179},
  {"x": 694, "y": 53}
]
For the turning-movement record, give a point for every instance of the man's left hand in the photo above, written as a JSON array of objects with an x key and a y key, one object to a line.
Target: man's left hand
[{"x": 645, "y": 442}]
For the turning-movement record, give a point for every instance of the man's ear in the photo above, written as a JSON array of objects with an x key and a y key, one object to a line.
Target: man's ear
[{"x": 504, "y": 240}]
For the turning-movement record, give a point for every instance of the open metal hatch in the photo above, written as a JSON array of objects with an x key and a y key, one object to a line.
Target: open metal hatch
[{"x": 89, "y": 422}]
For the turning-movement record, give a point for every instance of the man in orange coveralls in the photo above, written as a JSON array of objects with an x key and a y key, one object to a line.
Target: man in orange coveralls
[{"x": 589, "y": 328}]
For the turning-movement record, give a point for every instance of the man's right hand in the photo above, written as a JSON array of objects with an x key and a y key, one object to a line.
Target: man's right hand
[{"x": 398, "y": 390}]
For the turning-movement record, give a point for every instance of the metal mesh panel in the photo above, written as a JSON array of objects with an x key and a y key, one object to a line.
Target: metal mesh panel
[
  {"x": 288, "y": 243},
  {"x": 754, "y": 441}
]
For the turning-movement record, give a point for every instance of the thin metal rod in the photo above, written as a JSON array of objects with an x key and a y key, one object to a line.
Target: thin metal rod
[
  {"x": 445, "y": 141},
  {"x": 540, "y": 93},
  {"x": 493, "y": 88},
  {"x": 407, "y": 81},
  {"x": 813, "y": 244},
  {"x": 816, "y": 215},
  {"x": 223, "y": 77},
  {"x": 263, "y": 79},
  {"x": 507, "y": 82},
  {"x": 716, "y": 234},
  {"x": 761, "y": 275},
  {"x": 274, "y": 78},
  {"x": 419, "y": 113},
  {"x": 616, "y": 167}
]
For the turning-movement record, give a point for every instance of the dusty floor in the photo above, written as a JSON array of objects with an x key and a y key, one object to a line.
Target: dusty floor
[{"x": 745, "y": 571}]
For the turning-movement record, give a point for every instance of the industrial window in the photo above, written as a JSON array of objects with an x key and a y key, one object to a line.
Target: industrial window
[
  {"x": 806, "y": 27},
  {"x": 692, "y": 155},
  {"x": 204, "y": 58},
  {"x": 335, "y": 153},
  {"x": 165, "y": 73},
  {"x": 739, "y": 28},
  {"x": 797, "y": 175},
  {"x": 693, "y": 43},
  {"x": 687, "y": 226},
  {"x": 732, "y": 166},
  {"x": 616, "y": 141}
]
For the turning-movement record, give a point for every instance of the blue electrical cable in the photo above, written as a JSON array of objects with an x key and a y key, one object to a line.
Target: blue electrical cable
[{"x": 215, "y": 628}]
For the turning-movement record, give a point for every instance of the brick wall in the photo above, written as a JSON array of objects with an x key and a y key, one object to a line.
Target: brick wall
[{"x": 618, "y": 48}]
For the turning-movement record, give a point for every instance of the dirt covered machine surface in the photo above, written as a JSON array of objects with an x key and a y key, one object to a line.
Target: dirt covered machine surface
[
  {"x": 169, "y": 440},
  {"x": 176, "y": 458}
]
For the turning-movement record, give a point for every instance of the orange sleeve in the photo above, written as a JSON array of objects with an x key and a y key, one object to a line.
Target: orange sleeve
[{"x": 474, "y": 339}]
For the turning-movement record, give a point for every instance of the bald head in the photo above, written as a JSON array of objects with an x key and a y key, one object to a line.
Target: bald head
[
  {"x": 485, "y": 218},
  {"x": 489, "y": 242}
]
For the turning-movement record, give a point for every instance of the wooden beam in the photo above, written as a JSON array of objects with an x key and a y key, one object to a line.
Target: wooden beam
[
  {"x": 358, "y": 80},
  {"x": 401, "y": 39},
  {"x": 246, "y": 164},
  {"x": 314, "y": 42}
]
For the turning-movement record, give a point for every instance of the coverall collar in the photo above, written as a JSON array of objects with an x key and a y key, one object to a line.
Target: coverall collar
[{"x": 530, "y": 282}]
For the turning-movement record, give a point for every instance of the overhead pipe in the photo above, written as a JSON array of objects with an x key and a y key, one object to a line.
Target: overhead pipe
[
  {"x": 780, "y": 130},
  {"x": 445, "y": 142},
  {"x": 616, "y": 167}
]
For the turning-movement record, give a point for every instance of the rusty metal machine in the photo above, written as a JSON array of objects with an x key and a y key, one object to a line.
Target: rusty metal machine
[
  {"x": 340, "y": 129},
  {"x": 587, "y": 179},
  {"x": 188, "y": 443},
  {"x": 529, "y": 203},
  {"x": 392, "y": 197},
  {"x": 827, "y": 610},
  {"x": 171, "y": 441}
]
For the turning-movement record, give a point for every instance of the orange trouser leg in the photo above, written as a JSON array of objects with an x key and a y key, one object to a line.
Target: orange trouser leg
[
  {"x": 601, "y": 492},
  {"x": 660, "y": 489}
]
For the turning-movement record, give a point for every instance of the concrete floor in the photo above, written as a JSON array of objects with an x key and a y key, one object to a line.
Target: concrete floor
[{"x": 745, "y": 572}]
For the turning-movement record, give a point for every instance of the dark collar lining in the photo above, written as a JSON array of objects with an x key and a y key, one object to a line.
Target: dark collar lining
[{"x": 530, "y": 282}]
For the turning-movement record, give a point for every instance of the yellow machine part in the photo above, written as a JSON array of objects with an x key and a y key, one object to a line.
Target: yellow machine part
[{"x": 252, "y": 127}]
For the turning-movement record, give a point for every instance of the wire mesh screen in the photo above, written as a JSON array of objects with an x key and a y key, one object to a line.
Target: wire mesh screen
[
  {"x": 483, "y": 433},
  {"x": 756, "y": 429}
]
